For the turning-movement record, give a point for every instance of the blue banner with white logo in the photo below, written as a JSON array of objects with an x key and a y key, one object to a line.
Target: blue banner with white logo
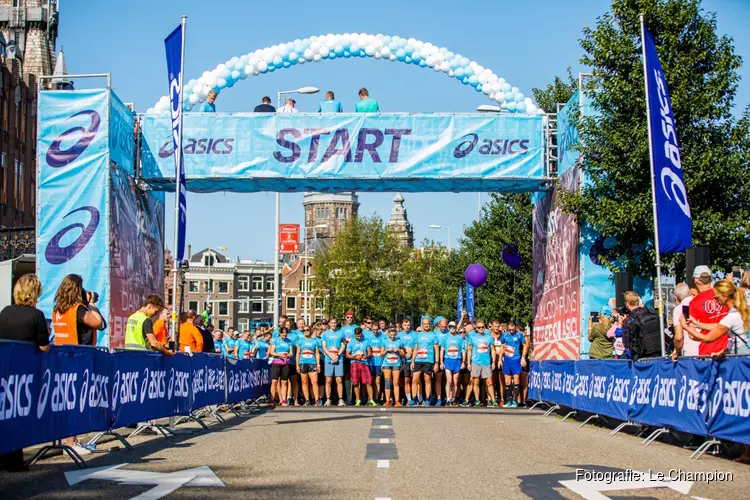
[
  {"x": 73, "y": 150},
  {"x": 333, "y": 152},
  {"x": 173, "y": 44},
  {"x": 558, "y": 379},
  {"x": 730, "y": 403},
  {"x": 470, "y": 301},
  {"x": 603, "y": 387},
  {"x": 73, "y": 390},
  {"x": 535, "y": 381},
  {"x": 459, "y": 303},
  {"x": 672, "y": 208}
]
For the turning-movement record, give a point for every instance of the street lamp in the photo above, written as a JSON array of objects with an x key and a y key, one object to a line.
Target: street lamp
[
  {"x": 276, "y": 277},
  {"x": 435, "y": 226},
  {"x": 306, "y": 270},
  {"x": 489, "y": 108}
]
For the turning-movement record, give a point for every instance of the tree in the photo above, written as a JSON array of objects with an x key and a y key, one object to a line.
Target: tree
[
  {"x": 701, "y": 71},
  {"x": 559, "y": 91}
]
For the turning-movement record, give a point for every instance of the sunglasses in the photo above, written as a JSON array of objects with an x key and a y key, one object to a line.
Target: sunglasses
[
  {"x": 480, "y": 328},
  {"x": 305, "y": 329},
  {"x": 368, "y": 322}
]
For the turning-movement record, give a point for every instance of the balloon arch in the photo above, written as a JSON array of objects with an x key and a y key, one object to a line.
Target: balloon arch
[{"x": 333, "y": 46}]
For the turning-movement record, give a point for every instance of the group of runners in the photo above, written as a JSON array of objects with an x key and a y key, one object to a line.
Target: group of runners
[{"x": 441, "y": 363}]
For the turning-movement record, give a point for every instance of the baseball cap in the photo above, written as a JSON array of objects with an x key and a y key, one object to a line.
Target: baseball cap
[
  {"x": 452, "y": 323},
  {"x": 349, "y": 313},
  {"x": 700, "y": 270}
]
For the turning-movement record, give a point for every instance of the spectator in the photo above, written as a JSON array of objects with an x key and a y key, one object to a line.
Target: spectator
[
  {"x": 601, "y": 344},
  {"x": 74, "y": 317},
  {"x": 139, "y": 331},
  {"x": 265, "y": 106},
  {"x": 23, "y": 321},
  {"x": 330, "y": 105},
  {"x": 160, "y": 327},
  {"x": 288, "y": 106},
  {"x": 190, "y": 338},
  {"x": 706, "y": 309},
  {"x": 208, "y": 340},
  {"x": 734, "y": 324},
  {"x": 615, "y": 332},
  {"x": 640, "y": 331},
  {"x": 209, "y": 106},
  {"x": 217, "y": 336},
  {"x": 683, "y": 342},
  {"x": 207, "y": 314},
  {"x": 366, "y": 104}
]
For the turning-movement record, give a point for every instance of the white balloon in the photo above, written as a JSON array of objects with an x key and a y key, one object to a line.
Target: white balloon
[
  {"x": 430, "y": 61},
  {"x": 515, "y": 90},
  {"x": 323, "y": 50},
  {"x": 491, "y": 96},
  {"x": 496, "y": 87},
  {"x": 473, "y": 64},
  {"x": 370, "y": 50},
  {"x": 378, "y": 44},
  {"x": 317, "y": 58},
  {"x": 385, "y": 51},
  {"x": 315, "y": 46},
  {"x": 262, "y": 66},
  {"x": 377, "y": 55},
  {"x": 445, "y": 66},
  {"x": 486, "y": 88},
  {"x": 235, "y": 75},
  {"x": 478, "y": 70},
  {"x": 482, "y": 78},
  {"x": 500, "y": 97},
  {"x": 211, "y": 81},
  {"x": 521, "y": 107},
  {"x": 531, "y": 109},
  {"x": 309, "y": 54},
  {"x": 392, "y": 57}
]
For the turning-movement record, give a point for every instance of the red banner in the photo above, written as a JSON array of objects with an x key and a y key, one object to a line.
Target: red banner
[{"x": 288, "y": 238}]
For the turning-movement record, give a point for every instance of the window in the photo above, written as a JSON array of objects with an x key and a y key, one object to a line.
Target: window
[
  {"x": 307, "y": 268},
  {"x": 318, "y": 317},
  {"x": 270, "y": 285},
  {"x": 257, "y": 306},
  {"x": 16, "y": 186},
  {"x": 193, "y": 305},
  {"x": 291, "y": 302},
  {"x": 193, "y": 286},
  {"x": 292, "y": 318},
  {"x": 223, "y": 287},
  {"x": 269, "y": 306},
  {"x": 244, "y": 305},
  {"x": 32, "y": 208},
  {"x": 222, "y": 325},
  {"x": 21, "y": 194},
  {"x": 322, "y": 213},
  {"x": 208, "y": 285},
  {"x": 244, "y": 284},
  {"x": 257, "y": 284},
  {"x": 169, "y": 296},
  {"x": 223, "y": 308},
  {"x": 243, "y": 324},
  {"x": 319, "y": 304},
  {"x": 341, "y": 213},
  {"x": 209, "y": 260}
]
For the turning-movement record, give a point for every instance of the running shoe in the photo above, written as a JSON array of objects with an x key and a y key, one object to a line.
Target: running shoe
[
  {"x": 284, "y": 404},
  {"x": 387, "y": 403},
  {"x": 513, "y": 404},
  {"x": 477, "y": 404},
  {"x": 508, "y": 404},
  {"x": 464, "y": 404},
  {"x": 341, "y": 402},
  {"x": 317, "y": 403},
  {"x": 358, "y": 403},
  {"x": 425, "y": 403},
  {"x": 438, "y": 403},
  {"x": 371, "y": 403},
  {"x": 327, "y": 403},
  {"x": 494, "y": 404},
  {"x": 411, "y": 403},
  {"x": 397, "y": 403},
  {"x": 306, "y": 403}
]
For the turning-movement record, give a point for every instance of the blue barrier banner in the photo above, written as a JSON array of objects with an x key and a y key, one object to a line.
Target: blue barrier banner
[
  {"x": 208, "y": 379},
  {"x": 247, "y": 379},
  {"x": 603, "y": 387},
  {"x": 73, "y": 219},
  {"x": 558, "y": 382},
  {"x": 333, "y": 152},
  {"x": 535, "y": 381},
  {"x": 730, "y": 401}
]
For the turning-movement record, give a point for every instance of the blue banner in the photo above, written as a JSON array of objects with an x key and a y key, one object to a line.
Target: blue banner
[
  {"x": 247, "y": 379},
  {"x": 672, "y": 209},
  {"x": 459, "y": 303},
  {"x": 603, "y": 387},
  {"x": 535, "y": 381},
  {"x": 558, "y": 382},
  {"x": 73, "y": 148},
  {"x": 336, "y": 151},
  {"x": 470, "y": 301},
  {"x": 173, "y": 44},
  {"x": 208, "y": 379},
  {"x": 730, "y": 403}
]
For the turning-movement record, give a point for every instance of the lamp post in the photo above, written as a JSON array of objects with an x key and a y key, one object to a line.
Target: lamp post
[
  {"x": 486, "y": 108},
  {"x": 276, "y": 277},
  {"x": 306, "y": 270},
  {"x": 435, "y": 226}
]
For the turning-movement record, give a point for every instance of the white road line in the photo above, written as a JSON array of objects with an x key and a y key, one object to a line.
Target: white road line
[
  {"x": 383, "y": 498},
  {"x": 384, "y": 426},
  {"x": 383, "y": 464},
  {"x": 382, "y": 409},
  {"x": 384, "y": 441},
  {"x": 384, "y": 418}
]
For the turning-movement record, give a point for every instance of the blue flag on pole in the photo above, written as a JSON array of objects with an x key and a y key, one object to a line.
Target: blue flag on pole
[
  {"x": 470, "y": 301},
  {"x": 174, "y": 44},
  {"x": 675, "y": 227},
  {"x": 459, "y": 303}
]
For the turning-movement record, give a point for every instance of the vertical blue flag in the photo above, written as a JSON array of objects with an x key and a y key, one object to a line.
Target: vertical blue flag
[
  {"x": 460, "y": 303},
  {"x": 174, "y": 44},
  {"x": 672, "y": 212},
  {"x": 470, "y": 301}
]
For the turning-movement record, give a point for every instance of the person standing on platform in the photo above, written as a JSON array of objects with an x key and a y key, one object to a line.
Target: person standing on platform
[
  {"x": 394, "y": 352},
  {"x": 481, "y": 357},
  {"x": 209, "y": 106},
  {"x": 407, "y": 338},
  {"x": 330, "y": 105},
  {"x": 206, "y": 315},
  {"x": 308, "y": 364},
  {"x": 265, "y": 107},
  {"x": 334, "y": 348},
  {"x": 366, "y": 104},
  {"x": 424, "y": 360},
  {"x": 288, "y": 106},
  {"x": 358, "y": 351}
]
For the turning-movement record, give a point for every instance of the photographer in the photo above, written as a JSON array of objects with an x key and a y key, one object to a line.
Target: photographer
[
  {"x": 601, "y": 344},
  {"x": 75, "y": 318}
]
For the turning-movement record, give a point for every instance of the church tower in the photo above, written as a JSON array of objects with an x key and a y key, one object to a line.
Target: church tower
[
  {"x": 326, "y": 214},
  {"x": 29, "y": 29},
  {"x": 399, "y": 223}
]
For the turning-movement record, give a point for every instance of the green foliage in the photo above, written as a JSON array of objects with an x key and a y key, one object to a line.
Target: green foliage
[
  {"x": 558, "y": 92},
  {"x": 701, "y": 72}
]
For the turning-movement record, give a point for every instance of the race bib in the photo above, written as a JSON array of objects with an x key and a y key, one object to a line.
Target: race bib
[
  {"x": 392, "y": 358},
  {"x": 482, "y": 348},
  {"x": 422, "y": 353},
  {"x": 619, "y": 346},
  {"x": 359, "y": 353},
  {"x": 334, "y": 350},
  {"x": 453, "y": 351},
  {"x": 308, "y": 353},
  {"x": 376, "y": 351},
  {"x": 246, "y": 355}
]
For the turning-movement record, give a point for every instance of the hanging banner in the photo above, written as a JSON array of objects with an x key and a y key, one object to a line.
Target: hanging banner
[
  {"x": 470, "y": 301},
  {"x": 672, "y": 208},
  {"x": 288, "y": 238},
  {"x": 344, "y": 152},
  {"x": 459, "y": 304}
]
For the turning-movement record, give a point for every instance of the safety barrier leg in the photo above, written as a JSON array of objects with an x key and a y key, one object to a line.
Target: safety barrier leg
[
  {"x": 592, "y": 417},
  {"x": 112, "y": 433},
  {"x": 570, "y": 414},
  {"x": 651, "y": 438},
  {"x": 58, "y": 445},
  {"x": 552, "y": 408},
  {"x": 153, "y": 427},
  {"x": 623, "y": 425},
  {"x": 704, "y": 448},
  {"x": 538, "y": 403}
]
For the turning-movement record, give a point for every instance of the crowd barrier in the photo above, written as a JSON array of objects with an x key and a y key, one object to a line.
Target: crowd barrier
[
  {"x": 700, "y": 396},
  {"x": 74, "y": 390}
]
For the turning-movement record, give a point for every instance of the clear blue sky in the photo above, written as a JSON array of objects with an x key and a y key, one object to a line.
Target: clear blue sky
[{"x": 527, "y": 43}]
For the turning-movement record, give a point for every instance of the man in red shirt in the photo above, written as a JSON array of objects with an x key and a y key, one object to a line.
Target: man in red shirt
[{"x": 704, "y": 308}]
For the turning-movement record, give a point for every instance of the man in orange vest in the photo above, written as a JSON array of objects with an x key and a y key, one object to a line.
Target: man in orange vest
[{"x": 190, "y": 337}]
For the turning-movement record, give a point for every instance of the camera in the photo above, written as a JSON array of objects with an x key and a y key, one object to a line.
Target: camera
[{"x": 85, "y": 297}]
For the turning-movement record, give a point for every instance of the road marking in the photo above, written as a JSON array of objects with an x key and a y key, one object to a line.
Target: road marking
[
  {"x": 385, "y": 426},
  {"x": 384, "y": 464},
  {"x": 382, "y": 409},
  {"x": 383, "y": 441},
  {"x": 384, "y": 418},
  {"x": 383, "y": 498}
]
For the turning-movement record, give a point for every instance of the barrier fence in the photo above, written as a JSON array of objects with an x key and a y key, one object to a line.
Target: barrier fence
[
  {"x": 74, "y": 390},
  {"x": 700, "y": 396}
]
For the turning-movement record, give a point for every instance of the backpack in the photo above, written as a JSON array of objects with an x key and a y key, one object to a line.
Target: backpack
[{"x": 645, "y": 340}]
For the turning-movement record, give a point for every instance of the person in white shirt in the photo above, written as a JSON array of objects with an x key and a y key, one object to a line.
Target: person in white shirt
[
  {"x": 288, "y": 106},
  {"x": 682, "y": 342}
]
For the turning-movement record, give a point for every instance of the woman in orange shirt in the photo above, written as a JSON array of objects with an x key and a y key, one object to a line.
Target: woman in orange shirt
[{"x": 189, "y": 334}]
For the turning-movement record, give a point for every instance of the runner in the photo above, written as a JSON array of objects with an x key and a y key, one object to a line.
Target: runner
[
  {"x": 441, "y": 332},
  {"x": 407, "y": 339},
  {"x": 481, "y": 359},
  {"x": 377, "y": 346},
  {"x": 244, "y": 346},
  {"x": 294, "y": 335},
  {"x": 525, "y": 368},
  {"x": 464, "y": 375},
  {"x": 347, "y": 331},
  {"x": 452, "y": 360},
  {"x": 333, "y": 347},
  {"x": 308, "y": 363},
  {"x": 424, "y": 361},
  {"x": 281, "y": 352},
  {"x": 367, "y": 326},
  {"x": 394, "y": 352},
  {"x": 229, "y": 345},
  {"x": 496, "y": 330},
  {"x": 512, "y": 362},
  {"x": 317, "y": 333},
  {"x": 260, "y": 349},
  {"x": 358, "y": 351}
]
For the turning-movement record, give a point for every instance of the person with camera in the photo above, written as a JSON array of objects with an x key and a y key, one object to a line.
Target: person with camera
[
  {"x": 640, "y": 331},
  {"x": 139, "y": 332},
  {"x": 601, "y": 344},
  {"x": 75, "y": 318}
]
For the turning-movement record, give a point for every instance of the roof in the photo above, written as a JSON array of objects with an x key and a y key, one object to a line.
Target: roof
[{"x": 198, "y": 256}]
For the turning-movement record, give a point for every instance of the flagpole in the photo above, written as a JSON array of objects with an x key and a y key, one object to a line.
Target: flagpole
[
  {"x": 177, "y": 184},
  {"x": 653, "y": 187}
]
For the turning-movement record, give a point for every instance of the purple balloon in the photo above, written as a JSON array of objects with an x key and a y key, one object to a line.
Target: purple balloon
[
  {"x": 476, "y": 275},
  {"x": 511, "y": 257}
]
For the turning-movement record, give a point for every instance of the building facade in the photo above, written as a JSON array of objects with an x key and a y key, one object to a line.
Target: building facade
[
  {"x": 399, "y": 222},
  {"x": 29, "y": 28},
  {"x": 326, "y": 213}
]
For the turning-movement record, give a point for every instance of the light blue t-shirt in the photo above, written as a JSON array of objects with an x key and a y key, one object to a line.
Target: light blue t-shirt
[
  {"x": 207, "y": 108},
  {"x": 367, "y": 105},
  {"x": 307, "y": 350},
  {"x": 407, "y": 339},
  {"x": 333, "y": 339},
  {"x": 243, "y": 347},
  {"x": 453, "y": 345},
  {"x": 355, "y": 347},
  {"x": 377, "y": 344},
  {"x": 227, "y": 345},
  {"x": 425, "y": 345},
  {"x": 513, "y": 344},
  {"x": 282, "y": 345},
  {"x": 348, "y": 331},
  {"x": 441, "y": 334},
  {"x": 262, "y": 348},
  {"x": 392, "y": 359},
  {"x": 294, "y": 335},
  {"x": 330, "y": 106},
  {"x": 480, "y": 348},
  {"x": 367, "y": 333}
]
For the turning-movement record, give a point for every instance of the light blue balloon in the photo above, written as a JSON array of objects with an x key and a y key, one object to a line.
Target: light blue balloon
[
  {"x": 293, "y": 56},
  {"x": 235, "y": 75},
  {"x": 387, "y": 39},
  {"x": 408, "y": 60},
  {"x": 468, "y": 70},
  {"x": 284, "y": 51},
  {"x": 286, "y": 64},
  {"x": 328, "y": 54},
  {"x": 506, "y": 88},
  {"x": 449, "y": 55},
  {"x": 393, "y": 45},
  {"x": 518, "y": 97},
  {"x": 465, "y": 80},
  {"x": 459, "y": 72},
  {"x": 347, "y": 54},
  {"x": 473, "y": 79},
  {"x": 511, "y": 106},
  {"x": 465, "y": 61},
  {"x": 339, "y": 49},
  {"x": 521, "y": 106},
  {"x": 409, "y": 49},
  {"x": 230, "y": 83},
  {"x": 454, "y": 63},
  {"x": 422, "y": 63},
  {"x": 362, "y": 53},
  {"x": 271, "y": 68},
  {"x": 331, "y": 55},
  {"x": 277, "y": 61},
  {"x": 400, "y": 54},
  {"x": 509, "y": 96}
]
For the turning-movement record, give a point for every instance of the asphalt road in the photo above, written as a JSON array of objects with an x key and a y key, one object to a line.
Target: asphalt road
[{"x": 343, "y": 453}]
